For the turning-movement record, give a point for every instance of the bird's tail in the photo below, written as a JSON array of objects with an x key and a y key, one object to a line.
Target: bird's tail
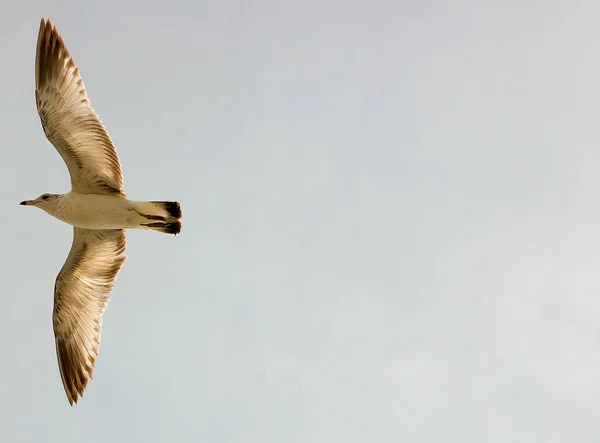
[{"x": 160, "y": 216}]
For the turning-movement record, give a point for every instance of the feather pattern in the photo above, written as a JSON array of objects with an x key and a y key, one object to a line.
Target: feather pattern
[
  {"x": 80, "y": 298},
  {"x": 69, "y": 121}
]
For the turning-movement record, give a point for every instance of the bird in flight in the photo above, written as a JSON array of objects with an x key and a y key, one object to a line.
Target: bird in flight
[{"x": 96, "y": 207}]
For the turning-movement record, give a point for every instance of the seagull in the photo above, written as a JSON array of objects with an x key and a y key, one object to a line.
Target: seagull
[{"x": 96, "y": 207}]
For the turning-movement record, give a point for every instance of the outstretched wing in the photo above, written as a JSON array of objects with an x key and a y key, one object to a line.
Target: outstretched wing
[
  {"x": 80, "y": 298},
  {"x": 69, "y": 121}
]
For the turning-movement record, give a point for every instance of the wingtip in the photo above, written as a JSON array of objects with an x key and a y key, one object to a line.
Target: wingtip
[
  {"x": 73, "y": 397},
  {"x": 44, "y": 22},
  {"x": 46, "y": 26},
  {"x": 45, "y": 30}
]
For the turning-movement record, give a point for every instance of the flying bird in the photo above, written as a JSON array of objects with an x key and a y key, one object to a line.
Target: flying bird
[{"x": 96, "y": 207}]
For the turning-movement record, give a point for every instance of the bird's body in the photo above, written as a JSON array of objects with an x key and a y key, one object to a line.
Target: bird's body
[
  {"x": 105, "y": 211},
  {"x": 96, "y": 207},
  {"x": 96, "y": 211}
]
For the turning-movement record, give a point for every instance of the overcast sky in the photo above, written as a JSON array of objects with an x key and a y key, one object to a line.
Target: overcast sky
[{"x": 391, "y": 224}]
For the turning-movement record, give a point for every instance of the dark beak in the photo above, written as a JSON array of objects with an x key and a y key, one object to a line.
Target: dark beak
[{"x": 25, "y": 202}]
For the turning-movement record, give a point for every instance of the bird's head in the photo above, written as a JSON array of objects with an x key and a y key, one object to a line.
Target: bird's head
[{"x": 41, "y": 202}]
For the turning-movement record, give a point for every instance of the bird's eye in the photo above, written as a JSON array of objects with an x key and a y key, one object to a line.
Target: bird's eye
[{"x": 45, "y": 197}]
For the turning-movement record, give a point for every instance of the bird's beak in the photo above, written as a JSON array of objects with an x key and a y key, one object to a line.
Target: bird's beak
[{"x": 26, "y": 203}]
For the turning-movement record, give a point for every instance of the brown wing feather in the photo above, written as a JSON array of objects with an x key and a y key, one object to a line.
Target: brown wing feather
[
  {"x": 69, "y": 122},
  {"x": 80, "y": 298}
]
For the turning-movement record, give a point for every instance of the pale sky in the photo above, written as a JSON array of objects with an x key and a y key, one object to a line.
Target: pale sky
[{"x": 391, "y": 224}]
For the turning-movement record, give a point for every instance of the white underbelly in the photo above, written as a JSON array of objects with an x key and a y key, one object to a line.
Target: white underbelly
[{"x": 90, "y": 211}]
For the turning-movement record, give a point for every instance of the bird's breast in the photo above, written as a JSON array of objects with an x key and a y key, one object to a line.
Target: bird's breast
[{"x": 92, "y": 211}]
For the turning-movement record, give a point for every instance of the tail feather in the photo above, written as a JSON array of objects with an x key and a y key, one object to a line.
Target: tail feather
[
  {"x": 172, "y": 208},
  {"x": 161, "y": 216},
  {"x": 172, "y": 228}
]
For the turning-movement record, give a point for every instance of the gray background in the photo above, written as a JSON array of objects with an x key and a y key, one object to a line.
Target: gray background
[{"x": 391, "y": 224}]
